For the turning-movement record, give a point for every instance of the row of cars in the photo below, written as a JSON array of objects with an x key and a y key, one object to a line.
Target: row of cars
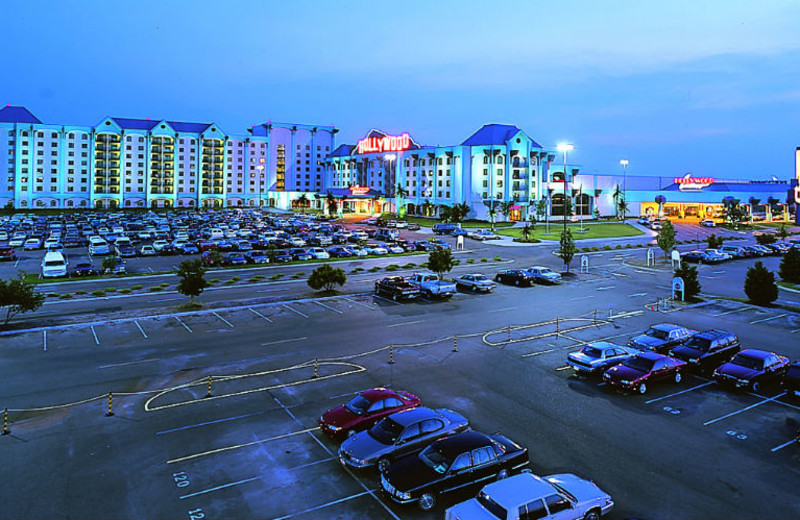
[
  {"x": 665, "y": 351},
  {"x": 423, "y": 454},
  {"x": 730, "y": 252}
]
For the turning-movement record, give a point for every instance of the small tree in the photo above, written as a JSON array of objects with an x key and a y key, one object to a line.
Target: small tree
[
  {"x": 441, "y": 261},
  {"x": 666, "y": 237},
  {"x": 332, "y": 204},
  {"x": 732, "y": 211},
  {"x": 526, "y": 232},
  {"x": 789, "y": 270},
  {"x": 783, "y": 232},
  {"x": 193, "y": 282},
  {"x": 109, "y": 263},
  {"x": 766, "y": 238},
  {"x": 460, "y": 211},
  {"x": 759, "y": 286},
  {"x": 568, "y": 249},
  {"x": 18, "y": 296},
  {"x": 326, "y": 278},
  {"x": 713, "y": 241},
  {"x": 691, "y": 286}
]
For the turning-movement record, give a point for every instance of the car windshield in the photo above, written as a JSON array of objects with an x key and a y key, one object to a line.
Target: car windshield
[
  {"x": 640, "y": 364},
  {"x": 743, "y": 360},
  {"x": 545, "y": 270},
  {"x": 592, "y": 352},
  {"x": 699, "y": 343},
  {"x": 434, "y": 459},
  {"x": 490, "y": 505},
  {"x": 564, "y": 492},
  {"x": 480, "y": 278},
  {"x": 386, "y": 431},
  {"x": 657, "y": 333},
  {"x": 358, "y": 405}
]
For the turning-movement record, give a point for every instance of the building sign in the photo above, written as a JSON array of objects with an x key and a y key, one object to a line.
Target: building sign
[
  {"x": 386, "y": 143},
  {"x": 689, "y": 183},
  {"x": 359, "y": 190}
]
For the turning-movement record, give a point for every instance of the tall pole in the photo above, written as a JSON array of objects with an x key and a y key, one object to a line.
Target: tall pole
[
  {"x": 624, "y": 163},
  {"x": 565, "y": 147}
]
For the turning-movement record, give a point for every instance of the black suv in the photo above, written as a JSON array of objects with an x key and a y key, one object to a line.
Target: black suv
[
  {"x": 791, "y": 380},
  {"x": 707, "y": 350}
]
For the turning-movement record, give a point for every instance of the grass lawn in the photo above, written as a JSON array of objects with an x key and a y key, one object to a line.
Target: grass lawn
[
  {"x": 604, "y": 230},
  {"x": 430, "y": 221}
]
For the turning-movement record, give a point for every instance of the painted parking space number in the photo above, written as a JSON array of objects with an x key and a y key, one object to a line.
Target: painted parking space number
[
  {"x": 196, "y": 514},
  {"x": 181, "y": 479}
]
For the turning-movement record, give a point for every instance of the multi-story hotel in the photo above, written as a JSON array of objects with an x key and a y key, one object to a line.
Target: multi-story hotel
[{"x": 144, "y": 163}]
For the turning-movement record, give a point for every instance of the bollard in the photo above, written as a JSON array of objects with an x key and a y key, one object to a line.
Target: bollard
[
  {"x": 595, "y": 316},
  {"x": 5, "y": 422},
  {"x": 316, "y": 368},
  {"x": 209, "y": 394},
  {"x": 509, "y": 333},
  {"x": 109, "y": 413},
  {"x": 558, "y": 332},
  {"x": 391, "y": 355},
  {"x": 455, "y": 343}
]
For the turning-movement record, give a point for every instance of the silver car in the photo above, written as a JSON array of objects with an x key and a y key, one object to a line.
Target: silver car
[
  {"x": 399, "y": 434},
  {"x": 475, "y": 282},
  {"x": 596, "y": 357},
  {"x": 544, "y": 274}
]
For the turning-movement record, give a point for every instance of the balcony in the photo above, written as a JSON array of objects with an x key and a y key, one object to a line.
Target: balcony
[
  {"x": 155, "y": 148},
  {"x": 519, "y": 164},
  {"x": 168, "y": 156}
]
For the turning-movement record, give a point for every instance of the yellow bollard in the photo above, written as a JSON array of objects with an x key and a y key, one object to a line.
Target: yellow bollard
[
  {"x": 316, "y": 368},
  {"x": 391, "y": 355},
  {"x": 455, "y": 343},
  {"x": 209, "y": 394},
  {"x": 5, "y": 422},
  {"x": 109, "y": 413}
]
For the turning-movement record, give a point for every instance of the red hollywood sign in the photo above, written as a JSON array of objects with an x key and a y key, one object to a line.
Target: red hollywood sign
[
  {"x": 693, "y": 180},
  {"x": 387, "y": 143}
]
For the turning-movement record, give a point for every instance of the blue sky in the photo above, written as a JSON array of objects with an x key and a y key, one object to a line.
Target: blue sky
[{"x": 710, "y": 87}]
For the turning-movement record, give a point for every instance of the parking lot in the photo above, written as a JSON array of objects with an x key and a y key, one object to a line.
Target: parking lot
[{"x": 252, "y": 449}]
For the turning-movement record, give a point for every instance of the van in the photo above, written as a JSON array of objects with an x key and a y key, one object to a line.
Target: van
[
  {"x": 215, "y": 234},
  {"x": 54, "y": 265}
]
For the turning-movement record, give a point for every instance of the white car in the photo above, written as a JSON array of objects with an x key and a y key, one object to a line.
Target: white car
[
  {"x": 557, "y": 497},
  {"x": 708, "y": 223},
  {"x": 147, "y": 251},
  {"x": 544, "y": 275},
  {"x": 158, "y": 245},
  {"x": 32, "y": 243},
  {"x": 395, "y": 249},
  {"x": 319, "y": 253},
  {"x": 483, "y": 234},
  {"x": 297, "y": 242},
  {"x": 595, "y": 358},
  {"x": 374, "y": 249}
]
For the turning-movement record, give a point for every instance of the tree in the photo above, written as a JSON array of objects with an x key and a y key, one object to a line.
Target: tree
[
  {"x": 567, "y": 250},
  {"x": 666, "y": 237},
  {"x": 302, "y": 202},
  {"x": 759, "y": 286},
  {"x": 783, "y": 232},
  {"x": 400, "y": 194},
  {"x": 505, "y": 208},
  {"x": 732, "y": 212},
  {"x": 622, "y": 206},
  {"x": 713, "y": 241},
  {"x": 660, "y": 200},
  {"x": 541, "y": 208},
  {"x": 766, "y": 238},
  {"x": 326, "y": 278},
  {"x": 460, "y": 211},
  {"x": 441, "y": 261},
  {"x": 109, "y": 263},
  {"x": 492, "y": 215},
  {"x": 526, "y": 232},
  {"x": 616, "y": 195},
  {"x": 445, "y": 213},
  {"x": 567, "y": 207},
  {"x": 333, "y": 205},
  {"x": 691, "y": 286},
  {"x": 18, "y": 296},
  {"x": 789, "y": 269},
  {"x": 193, "y": 282}
]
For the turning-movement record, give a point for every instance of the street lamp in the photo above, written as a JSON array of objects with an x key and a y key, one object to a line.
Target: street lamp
[
  {"x": 391, "y": 188},
  {"x": 260, "y": 169},
  {"x": 624, "y": 163},
  {"x": 565, "y": 147}
]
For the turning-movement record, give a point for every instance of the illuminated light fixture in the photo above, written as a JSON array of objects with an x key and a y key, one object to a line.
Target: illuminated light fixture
[{"x": 387, "y": 143}]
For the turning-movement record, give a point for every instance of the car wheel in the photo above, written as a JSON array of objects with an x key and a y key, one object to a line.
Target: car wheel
[
  {"x": 383, "y": 465},
  {"x": 516, "y": 283},
  {"x": 350, "y": 433},
  {"x": 474, "y": 288},
  {"x": 678, "y": 377},
  {"x": 503, "y": 474},
  {"x": 592, "y": 515},
  {"x": 497, "y": 278},
  {"x": 642, "y": 388},
  {"x": 394, "y": 297},
  {"x": 427, "y": 501},
  {"x": 756, "y": 386}
]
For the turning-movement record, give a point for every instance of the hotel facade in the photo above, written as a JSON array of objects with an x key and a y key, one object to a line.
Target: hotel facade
[{"x": 497, "y": 171}]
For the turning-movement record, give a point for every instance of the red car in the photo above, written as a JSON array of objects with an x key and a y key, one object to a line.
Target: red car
[
  {"x": 364, "y": 410},
  {"x": 637, "y": 372}
]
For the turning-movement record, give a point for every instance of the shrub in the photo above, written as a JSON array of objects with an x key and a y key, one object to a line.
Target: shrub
[
  {"x": 110, "y": 289},
  {"x": 326, "y": 278},
  {"x": 691, "y": 286},
  {"x": 98, "y": 292},
  {"x": 229, "y": 282},
  {"x": 214, "y": 280},
  {"x": 165, "y": 284},
  {"x": 156, "y": 288},
  {"x": 298, "y": 275},
  {"x": 628, "y": 246},
  {"x": 357, "y": 270},
  {"x": 392, "y": 267},
  {"x": 759, "y": 286},
  {"x": 274, "y": 277},
  {"x": 497, "y": 259},
  {"x": 410, "y": 265},
  {"x": 789, "y": 270},
  {"x": 456, "y": 262},
  {"x": 236, "y": 278},
  {"x": 53, "y": 295},
  {"x": 80, "y": 292},
  {"x": 484, "y": 259},
  {"x": 124, "y": 291},
  {"x": 618, "y": 246},
  {"x": 136, "y": 287},
  {"x": 607, "y": 248},
  {"x": 470, "y": 260},
  {"x": 65, "y": 296},
  {"x": 373, "y": 269}
]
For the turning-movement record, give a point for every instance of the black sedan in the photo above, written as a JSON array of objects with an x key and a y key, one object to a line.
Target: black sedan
[
  {"x": 84, "y": 269},
  {"x": 449, "y": 464},
  {"x": 514, "y": 277}
]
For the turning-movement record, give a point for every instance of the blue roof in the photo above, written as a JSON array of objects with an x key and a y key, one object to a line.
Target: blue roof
[
  {"x": 9, "y": 114},
  {"x": 493, "y": 134},
  {"x": 197, "y": 128},
  {"x": 343, "y": 150},
  {"x": 134, "y": 124}
]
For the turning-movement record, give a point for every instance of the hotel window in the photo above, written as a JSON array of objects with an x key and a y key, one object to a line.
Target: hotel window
[
  {"x": 499, "y": 171},
  {"x": 499, "y": 159},
  {"x": 485, "y": 159},
  {"x": 447, "y": 194}
]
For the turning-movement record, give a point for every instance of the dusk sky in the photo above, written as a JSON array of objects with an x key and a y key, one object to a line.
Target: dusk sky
[{"x": 710, "y": 87}]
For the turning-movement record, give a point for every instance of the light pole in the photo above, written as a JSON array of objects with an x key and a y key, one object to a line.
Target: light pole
[
  {"x": 260, "y": 169},
  {"x": 391, "y": 188},
  {"x": 565, "y": 147},
  {"x": 624, "y": 163}
]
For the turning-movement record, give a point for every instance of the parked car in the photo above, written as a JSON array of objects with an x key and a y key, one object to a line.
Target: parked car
[
  {"x": 8, "y": 253},
  {"x": 300, "y": 254},
  {"x": 734, "y": 251},
  {"x": 257, "y": 257},
  {"x": 661, "y": 337},
  {"x": 397, "y": 288},
  {"x": 708, "y": 223},
  {"x": 235, "y": 259},
  {"x": 125, "y": 251},
  {"x": 340, "y": 252},
  {"x": 707, "y": 350},
  {"x": 413, "y": 226},
  {"x": 544, "y": 275},
  {"x": 643, "y": 369},
  {"x": 514, "y": 277},
  {"x": 364, "y": 410},
  {"x": 147, "y": 251},
  {"x": 431, "y": 286},
  {"x": 717, "y": 256},
  {"x": 656, "y": 225},
  {"x": 475, "y": 282},
  {"x": 698, "y": 256},
  {"x": 752, "y": 368},
  {"x": 527, "y": 496},
  {"x": 597, "y": 357},
  {"x": 84, "y": 269},
  {"x": 444, "y": 228},
  {"x": 32, "y": 244},
  {"x": 399, "y": 434},
  {"x": 483, "y": 234},
  {"x": 449, "y": 464},
  {"x": 791, "y": 379}
]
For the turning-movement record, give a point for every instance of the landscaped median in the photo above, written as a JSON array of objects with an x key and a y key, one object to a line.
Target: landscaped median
[{"x": 590, "y": 230}]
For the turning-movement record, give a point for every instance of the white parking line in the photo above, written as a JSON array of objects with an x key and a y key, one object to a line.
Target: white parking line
[
  {"x": 740, "y": 309},
  {"x": 359, "y": 303},
  {"x": 309, "y": 464},
  {"x": 220, "y": 487},
  {"x": 503, "y": 309},
  {"x": 328, "y": 307},
  {"x": 128, "y": 363},
  {"x": 780, "y": 447},
  {"x": 605, "y": 288},
  {"x": 540, "y": 352},
  {"x": 386, "y": 299},
  {"x": 767, "y": 400},
  {"x": 185, "y": 326},
  {"x": 283, "y": 341},
  {"x": 328, "y": 504},
  {"x": 405, "y": 323},
  {"x": 44, "y": 339},
  {"x": 295, "y": 311},
  {"x": 97, "y": 341},
  {"x": 770, "y": 318},
  {"x": 581, "y": 298},
  {"x": 140, "y": 329},
  {"x": 223, "y": 319},
  {"x": 244, "y": 445},
  {"x": 259, "y": 314},
  {"x": 635, "y": 295},
  {"x": 679, "y": 393}
]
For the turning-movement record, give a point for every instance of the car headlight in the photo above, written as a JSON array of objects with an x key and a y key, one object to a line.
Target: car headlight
[
  {"x": 333, "y": 428},
  {"x": 402, "y": 495},
  {"x": 625, "y": 382}
]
